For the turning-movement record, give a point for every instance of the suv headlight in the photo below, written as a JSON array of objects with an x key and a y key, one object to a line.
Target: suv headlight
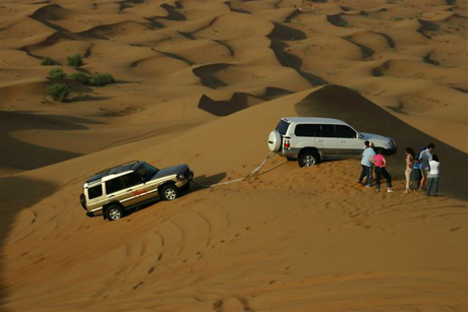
[{"x": 181, "y": 176}]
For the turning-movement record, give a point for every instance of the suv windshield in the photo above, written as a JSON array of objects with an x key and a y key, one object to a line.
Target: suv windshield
[
  {"x": 282, "y": 127},
  {"x": 147, "y": 171}
]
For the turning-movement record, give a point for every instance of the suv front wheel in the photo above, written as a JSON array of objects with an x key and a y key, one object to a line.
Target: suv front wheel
[
  {"x": 169, "y": 192},
  {"x": 308, "y": 158},
  {"x": 114, "y": 213}
]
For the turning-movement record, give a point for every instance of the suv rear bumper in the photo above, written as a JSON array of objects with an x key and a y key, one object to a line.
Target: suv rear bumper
[{"x": 293, "y": 152}]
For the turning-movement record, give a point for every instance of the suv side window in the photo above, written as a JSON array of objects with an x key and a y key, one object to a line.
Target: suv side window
[
  {"x": 114, "y": 185},
  {"x": 345, "y": 132},
  {"x": 132, "y": 179},
  {"x": 282, "y": 127},
  {"x": 307, "y": 130},
  {"x": 327, "y": 131},
  {"x": 95, "y": 191},
  {"x": 146, "y": 171}
]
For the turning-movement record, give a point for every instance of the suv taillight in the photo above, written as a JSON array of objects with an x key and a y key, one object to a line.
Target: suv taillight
[{"x": 286, "y": 144}]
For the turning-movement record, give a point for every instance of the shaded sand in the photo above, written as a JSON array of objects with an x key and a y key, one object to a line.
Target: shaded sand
[
  {"x": 203, "y": 83},
  {"x": 345, "y": 104}
]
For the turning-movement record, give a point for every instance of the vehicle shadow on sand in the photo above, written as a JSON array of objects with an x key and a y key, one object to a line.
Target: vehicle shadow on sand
[{"x": 197, "y": 184}]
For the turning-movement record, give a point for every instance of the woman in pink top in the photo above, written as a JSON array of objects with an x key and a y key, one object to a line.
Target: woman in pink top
[{"x": 380, "y": 163}]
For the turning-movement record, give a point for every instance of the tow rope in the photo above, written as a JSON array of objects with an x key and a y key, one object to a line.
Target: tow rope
[{"x": 240, "y": 179}]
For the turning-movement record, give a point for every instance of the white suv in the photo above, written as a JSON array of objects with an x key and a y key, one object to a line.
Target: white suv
[{"x": 310, "y": 140}]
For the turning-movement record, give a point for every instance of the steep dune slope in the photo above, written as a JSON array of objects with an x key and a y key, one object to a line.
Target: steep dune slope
[{"x": 288, "y": 238}]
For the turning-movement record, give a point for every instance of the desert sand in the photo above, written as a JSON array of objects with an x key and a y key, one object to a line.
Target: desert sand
[{"x": 203, "y": 82}]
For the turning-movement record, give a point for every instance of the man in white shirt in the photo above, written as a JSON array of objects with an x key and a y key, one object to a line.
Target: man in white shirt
[{"x": 433, "y": 176}]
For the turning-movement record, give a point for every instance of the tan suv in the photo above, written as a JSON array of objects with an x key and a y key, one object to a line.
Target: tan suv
[{"x": 114, "y": 191}]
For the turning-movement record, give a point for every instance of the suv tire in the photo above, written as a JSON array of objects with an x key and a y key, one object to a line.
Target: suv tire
[
  {"x": 114, "y": 212},
  {"x": 308, "y": 158},
  {"x": 169, "y": 192}
]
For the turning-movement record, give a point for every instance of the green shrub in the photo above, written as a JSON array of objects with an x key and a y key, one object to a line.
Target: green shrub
[
  {"x": 57, "y": 73},
  {"x": 47, "y": 61},
  {"x": 102, "y": 80},
  {"x": 74, "y": 60},
  {"x": 58, "y": 91},
  {"x": 79, "y": 77}
]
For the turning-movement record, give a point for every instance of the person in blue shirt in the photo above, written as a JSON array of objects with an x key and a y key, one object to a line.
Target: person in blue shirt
[
  {"x": 416, "y": 174},
  {"x": 366, "y": 164}
]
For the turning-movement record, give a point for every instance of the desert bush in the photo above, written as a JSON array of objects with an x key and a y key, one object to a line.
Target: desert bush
[
  {"x": 74, "y": 60},
  {"x": 47, "y": 61},
  {"x": 57, "y": 73},
  {"x": 58, "y": 91},
  {"x": 101, "y": 80},
  {"x": 79, "y": 77}
]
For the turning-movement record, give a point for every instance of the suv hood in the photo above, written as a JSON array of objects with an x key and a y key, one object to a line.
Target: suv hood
[
  {"x": 372, "y": 136},
  {"x": 170, "y": 171},
  {"x": 379, "y": 140}
]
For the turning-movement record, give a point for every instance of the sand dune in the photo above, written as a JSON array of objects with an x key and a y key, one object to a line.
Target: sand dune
[
  {"x": 204, "y": 82},
  {"x": 342, "y": 103},
  {"x": 172, "y": 255}
]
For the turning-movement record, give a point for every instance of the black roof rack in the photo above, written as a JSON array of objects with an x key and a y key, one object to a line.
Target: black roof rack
[{"x": 113, "y": 170}]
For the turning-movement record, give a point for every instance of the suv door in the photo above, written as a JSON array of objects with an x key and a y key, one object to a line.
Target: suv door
[
  {"x": 349, "y": 144},
  {"x": 116, "y": 190},
  {"x": 137, "y": 189},
  {"x": 326, "y": 141},
  {"x": 96, "y": 197}
]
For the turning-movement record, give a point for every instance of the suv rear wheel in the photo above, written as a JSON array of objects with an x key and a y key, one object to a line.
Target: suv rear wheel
[
  {"x": 114, "y": 213},
  {"x": 308, "y": 158},
  {"x": 169, "y": 192}
]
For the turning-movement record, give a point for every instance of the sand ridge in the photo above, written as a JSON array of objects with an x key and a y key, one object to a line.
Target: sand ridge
[{"x": 203, "y": 82}]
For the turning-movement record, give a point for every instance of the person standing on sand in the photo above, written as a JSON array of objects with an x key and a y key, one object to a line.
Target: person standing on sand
[
  {"x": 433, "y": 176},
  {"x": 366, "y": 164},
  {"x": 380, "y": 163},
  {"x": 409, "y": 167},
  {"x": 417, "y": 176},
  {"x": 424, "y": 158}
]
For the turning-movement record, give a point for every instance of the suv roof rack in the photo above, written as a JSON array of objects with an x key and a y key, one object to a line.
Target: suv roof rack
[
  {"x": 116, "y": 166},
  {"x": 125, "y": 166}
]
